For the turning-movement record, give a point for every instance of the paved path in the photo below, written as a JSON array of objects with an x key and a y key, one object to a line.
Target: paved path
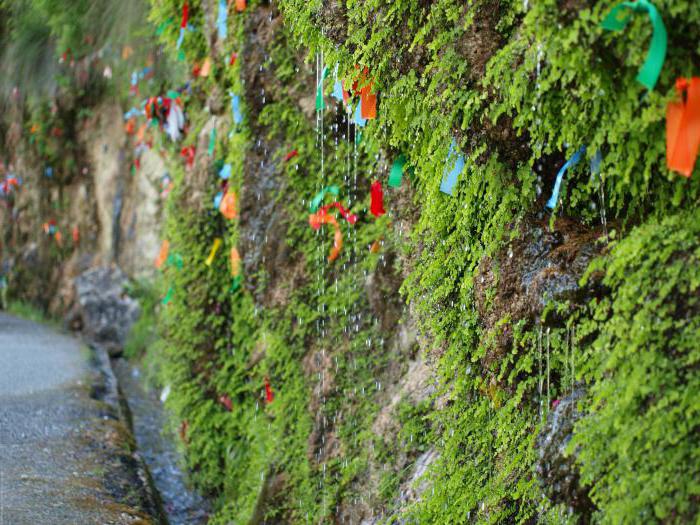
[{"x": 65, "y": 457}]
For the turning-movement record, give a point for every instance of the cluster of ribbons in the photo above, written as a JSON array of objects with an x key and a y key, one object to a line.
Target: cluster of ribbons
[
  {"x": 9, "y": 184},
  {"x": 365, "y": 109}
]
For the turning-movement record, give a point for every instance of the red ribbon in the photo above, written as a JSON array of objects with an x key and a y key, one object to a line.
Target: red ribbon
[
  {"x": 188, "y": 154},
  {"x": 185, "y": 15},
  {"x": 226, "y": 402},
  {"x": 683, "y": 127},
  {"x": 377, "y": 204},
  {"x": 290, "y": 155},
  {"x": 350, "y": 217},
  {"x": 269, "y": 395}
]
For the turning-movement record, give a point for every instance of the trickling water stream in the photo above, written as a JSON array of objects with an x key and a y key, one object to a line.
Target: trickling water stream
[{"x": 182, "y": 505}]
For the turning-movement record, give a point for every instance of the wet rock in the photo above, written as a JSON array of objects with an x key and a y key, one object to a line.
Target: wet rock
[
  {"x": 556, "y": 471},
  {"x": 103, "y": 310},
  {"x": 539, "y": 266}
]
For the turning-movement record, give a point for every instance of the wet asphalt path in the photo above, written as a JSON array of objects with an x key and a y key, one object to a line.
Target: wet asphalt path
[{"x": 61, "y": 449}]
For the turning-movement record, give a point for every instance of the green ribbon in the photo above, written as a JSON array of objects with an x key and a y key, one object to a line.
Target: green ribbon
[
  {"x": 397, "y": 171},
  {"x": 163, "y": 26},
  {"x": 168, "y": 296},
  {"x": 175, "y": 259},
  {"x": 617, "y": 20},
  {"x": 212, "y": 142},
  {"x": 320, "y": 103},
  {"x": 318, "y": 199},
  {"x": 235, "y": 284}
]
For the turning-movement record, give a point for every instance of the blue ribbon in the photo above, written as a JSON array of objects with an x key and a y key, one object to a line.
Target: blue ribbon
[
  {"x": 236, "y": 108},
  {"x": 358, "y": 116},
  {"x": 181, "y": 37},
  {"x": 223, "y": 18},
  {"x": 450, "y": 174},
  {"x": 575, "y": 158},
  {"x": 225, "y": 172},
  {"x": 217, "y": 200},
  {"x": 49, "y": 172}
]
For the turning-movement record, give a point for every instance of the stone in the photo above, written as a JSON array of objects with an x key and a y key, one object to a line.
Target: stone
[{"x": 103, "y": 310}]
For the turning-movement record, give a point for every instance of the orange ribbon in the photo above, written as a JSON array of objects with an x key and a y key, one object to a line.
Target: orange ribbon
[
  {"x": 163, "y": 255},
  {"x": 683, "y": 127},
  {"x": 229, "y": 205},
  {"x": 240, "y": 5},
  {"x": 316, "y": 220},
  {"x": 235, "y": 262}
]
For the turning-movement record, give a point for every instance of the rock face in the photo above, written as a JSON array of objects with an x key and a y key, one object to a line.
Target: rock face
[
  {"x": 103, "y": 310},
  {"x": 557, "y": 471}
]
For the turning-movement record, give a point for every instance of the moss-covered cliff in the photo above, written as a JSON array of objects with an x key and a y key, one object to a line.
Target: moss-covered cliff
[{"x": 466, "y": 358}]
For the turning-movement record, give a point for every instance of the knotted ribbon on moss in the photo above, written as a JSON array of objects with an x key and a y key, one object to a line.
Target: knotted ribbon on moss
[
  {"x": 618, "y": 18},
  {"x": 318, "y": 198}
]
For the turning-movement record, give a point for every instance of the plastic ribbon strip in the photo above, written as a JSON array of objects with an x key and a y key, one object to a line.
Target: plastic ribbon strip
[
  {"x": 236, "y": 108},
  {"x": 396, "y": 174},
  {"x": 320, "y": 103},
  {"x": 76, "y": 235},
  {"x": 368, "y": 102},
  {"x": 683, "y": 127},
  {"x": 175, "y": 260},
  {"x": 269, "y": 395},
  {"x": 320, "y": 218},
  {"x": 359, "y": 121},
  {"x": 183, "y": 24},
  {"x": 575, "y": 158},
  {"x": 212, "y": 142},
  {"x": 453, "y": 167},
  {"x": 289, "y": 156},
  {"x": 350, "y": 217},
  {"x": 226, "y": 400},
  {"x": 229, "y": 205},
  {"x": 222, "y": 19},
  {"x": 188, "y": 153},
  {"x": 163, "y": 254},
  {"x": 618, "y": 18},
  {"x": 206, "y": 68},
  {"x": 318, "y": 198},
  {"x": 225, "y": 172},
  {"x": 376, "y": 206},
  {"x": 240, "y": 5},
  {"x": 168, "y": 296},
  {"x": 212, "y": 253},
  {"x": 235, "y": 259}
]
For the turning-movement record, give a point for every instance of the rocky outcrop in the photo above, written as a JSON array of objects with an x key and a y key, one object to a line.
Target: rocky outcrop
[{"x": 103, "y": 311}]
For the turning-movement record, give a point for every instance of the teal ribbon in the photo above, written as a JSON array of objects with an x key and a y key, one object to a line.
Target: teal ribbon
[
  {"x": 575, "y": 158},
  {"x": 235, "y": 284},
  {"x": 168, "y": 296},
  {"x": 397, "y": 171},
  {"x": 617, "y": 20},
  {"x": 318, "y": 199},
  {"x": 175, "y": 259},
  {"x": 212, "y": 142}
]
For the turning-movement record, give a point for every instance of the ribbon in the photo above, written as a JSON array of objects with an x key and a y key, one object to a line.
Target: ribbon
[
  {"x": 163, "y": 254},
  {"x": 376, "y": 206},
  {"x": 175, "y": 260},
  {"x": 168, "y": 296},
  {"x": 235, "y": 259},
  {"x": 289, "y": 156},
  {"x": 368, "y": 102},
  {"x": 320, "y": 103},
  {"x": 212, "y": 253},
  {"x": 683, "y": 127},
  {"x": 206, "y": 68},
  {"x": 453, "y": 167},
  {"x": 318, "y": 198},
  {"x": 618, "y": 18},
  {"x": 316, "y": 220},
  {"x": 228, "y": 206},
  {"x": 212, "y": 142},
  {"x": 396, "y": 173},
  {"x": 188, "y": 154},
  {"x": 269, "y": 395},
  {"x": 235, "y": 284},
  {"x": 240, "y": 5},
  {"x": 236, "y": 108},
  {"x": 225, "y": 400},
  {"x": 217, "y": 199},
  {"x": 222, "y": 19},
  {"x": 359, "y": 121},
  {"x": 183, "y": 24},
  {"x": 575, "y": 158},
  {"x": 350, "y": 217},
  {"x": 232, "y": 60},
  {"x": 76, "y": 235},
  {"x": 225, "y": 172}
]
